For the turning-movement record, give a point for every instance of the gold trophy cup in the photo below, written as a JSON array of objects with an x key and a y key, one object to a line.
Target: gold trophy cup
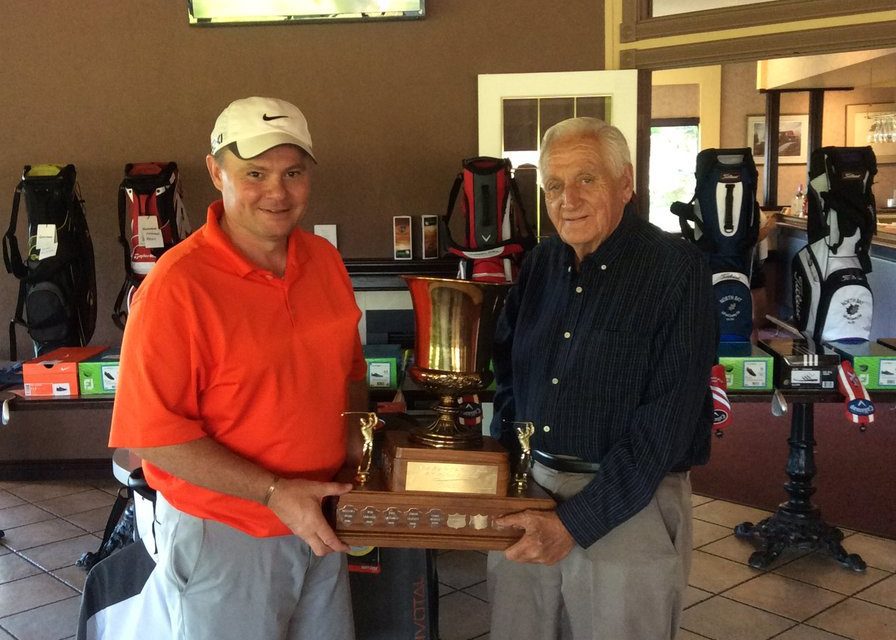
[{"x": 442, "y": 485}]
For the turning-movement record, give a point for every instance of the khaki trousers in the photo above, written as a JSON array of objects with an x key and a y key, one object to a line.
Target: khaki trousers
[
  {"x": 218, "y": 583},
  {"x": 629, "y": 585}
]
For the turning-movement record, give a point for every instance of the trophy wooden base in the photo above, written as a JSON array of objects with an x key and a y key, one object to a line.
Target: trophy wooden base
[{"x": 390, "y": 510}]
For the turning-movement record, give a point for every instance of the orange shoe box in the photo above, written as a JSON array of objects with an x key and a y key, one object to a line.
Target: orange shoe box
[{"x": 56, "y": 373}]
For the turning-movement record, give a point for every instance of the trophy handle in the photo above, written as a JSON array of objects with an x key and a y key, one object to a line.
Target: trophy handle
[
  {"x": 524, "y": 432},
  {"x": 367, "y": 422}
]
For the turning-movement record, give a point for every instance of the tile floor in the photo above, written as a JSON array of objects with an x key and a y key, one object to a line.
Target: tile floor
[{"x": 803, "y": 596}]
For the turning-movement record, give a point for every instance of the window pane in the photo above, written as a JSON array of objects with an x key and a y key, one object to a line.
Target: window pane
[
  {"x": 593, "y": 107},
  {"x": 673, "y": 156},
  {"x": 553, "y": 110},
  {"x": 526, "y": 180},
  {"x": 520, "y": 124}
]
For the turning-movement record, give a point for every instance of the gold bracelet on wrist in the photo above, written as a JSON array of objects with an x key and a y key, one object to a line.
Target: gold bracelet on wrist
[{"x": 270, "y": 491}]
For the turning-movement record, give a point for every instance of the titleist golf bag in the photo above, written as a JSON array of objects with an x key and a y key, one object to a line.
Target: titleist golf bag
[
  {"x": 831, "y": 296},
  {"x": 151, "y": 220},
  {"x": 496, "y": 232},
  {"x": 725, "y": 218},
  {"x": 57, "y": 280}
]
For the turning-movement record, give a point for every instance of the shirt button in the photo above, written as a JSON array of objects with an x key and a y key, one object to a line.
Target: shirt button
[
  {"x": 578, "y": 289},
  {"x": 554, "y": 380},
  {"x": 603, "y": 267},
  {"x": 545, "y": 428},
  {"x": 567, "y": 335}
]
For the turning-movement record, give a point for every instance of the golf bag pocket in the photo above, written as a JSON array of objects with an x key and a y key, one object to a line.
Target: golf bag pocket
[
  {"x": 735, "y": 305},
  {"x": 831, "y": 296}
]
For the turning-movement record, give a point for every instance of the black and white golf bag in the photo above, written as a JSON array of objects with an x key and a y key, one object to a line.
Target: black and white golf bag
[
  {"x": 831, "y": 296},
  {"x": 725, "y": 218}
]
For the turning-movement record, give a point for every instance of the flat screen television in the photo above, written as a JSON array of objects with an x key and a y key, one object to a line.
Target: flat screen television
[{"x": 224, "y": 12}]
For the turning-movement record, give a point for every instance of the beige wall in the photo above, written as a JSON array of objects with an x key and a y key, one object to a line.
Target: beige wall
[
  {"x": 392, "y": 107},
  {"x": 675, "y": 101},
  {"x": 740, "y": 98}
]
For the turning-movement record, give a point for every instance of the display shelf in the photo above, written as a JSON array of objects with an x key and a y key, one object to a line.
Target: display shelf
[{"x": 20, "y": 402}]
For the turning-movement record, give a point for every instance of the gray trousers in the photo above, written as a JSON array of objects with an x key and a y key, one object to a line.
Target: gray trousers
[
  {"x": 629, "y": 585},
  {"x": 218, "y": 583}
]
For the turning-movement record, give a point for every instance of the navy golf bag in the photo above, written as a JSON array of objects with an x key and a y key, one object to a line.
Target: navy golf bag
[{"x": 723, "y": 220}]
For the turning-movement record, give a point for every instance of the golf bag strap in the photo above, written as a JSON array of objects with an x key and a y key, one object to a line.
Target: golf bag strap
[
  {"x": 853, "y": 212},
  {"x": 118, "y": 313},
  {"x": 12, "y": 257},
  {"x": 524, "y": 231},
  {"x": 123, "y": 232},
  {"x": 685, "y": 213}
]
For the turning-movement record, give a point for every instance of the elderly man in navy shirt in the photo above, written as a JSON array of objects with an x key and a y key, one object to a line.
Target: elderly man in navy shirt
[{"x": 605, "y": 345}]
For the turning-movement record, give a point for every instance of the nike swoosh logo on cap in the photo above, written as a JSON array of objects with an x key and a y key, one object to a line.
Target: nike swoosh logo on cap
[{"x": 268, "y": 118}]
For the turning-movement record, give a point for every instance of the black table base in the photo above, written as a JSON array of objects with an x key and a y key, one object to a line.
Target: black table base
[{"x": 797, "y": 523}]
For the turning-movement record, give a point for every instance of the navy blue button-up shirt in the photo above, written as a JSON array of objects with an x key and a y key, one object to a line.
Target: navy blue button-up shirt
[{"x": 611, "y": 363}]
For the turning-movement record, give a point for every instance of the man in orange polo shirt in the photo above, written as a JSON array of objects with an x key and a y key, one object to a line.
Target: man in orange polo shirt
[{"x": 240, "y": 353}]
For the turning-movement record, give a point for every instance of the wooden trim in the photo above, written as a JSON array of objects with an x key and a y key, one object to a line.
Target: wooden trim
[
  {"x": 774, "y": 45},
  {"x": 637, "y": 23},
  {"x": 674, "y": 122},
  {"x": 642, "y": 158},
  {"x": 770, "y": 170}
]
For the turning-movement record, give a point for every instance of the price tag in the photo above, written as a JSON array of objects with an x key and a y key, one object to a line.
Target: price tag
[
  {"x": 46, "y": 242},
  {"x": 148, "y": 233}
]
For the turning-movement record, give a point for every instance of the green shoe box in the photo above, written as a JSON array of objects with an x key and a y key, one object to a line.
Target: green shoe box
[
  {"x": 747, "y": 367},
  {"x": 874, "y": 364},
  {"x": 382, "y": 365},
  {"x": 99, "y": 374}
]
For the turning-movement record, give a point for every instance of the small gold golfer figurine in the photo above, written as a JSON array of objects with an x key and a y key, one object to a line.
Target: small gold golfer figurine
[
  {"x": 524, "y": 431},
  {"x": 368, "y": 423}
]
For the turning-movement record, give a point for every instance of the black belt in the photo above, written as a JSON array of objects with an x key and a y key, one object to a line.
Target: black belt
[
  {"x": 564, "y": 464},
  {"x": 574, "y": 465}
]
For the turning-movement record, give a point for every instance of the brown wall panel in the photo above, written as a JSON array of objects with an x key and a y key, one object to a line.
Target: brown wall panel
[
  {"x": 391, "y": 105},
  {"x": 392, "y": 108}
]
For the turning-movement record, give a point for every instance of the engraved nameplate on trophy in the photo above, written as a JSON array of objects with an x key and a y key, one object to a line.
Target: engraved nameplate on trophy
[{"x": 443, "y": 485}]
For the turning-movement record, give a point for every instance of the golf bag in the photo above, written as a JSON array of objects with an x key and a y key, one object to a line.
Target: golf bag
[
  {"x": 725, "y": 218},
  {"x": 57, "y": 280},
  {"x": 831, "y": 296},
  {"x": 496, "y": 232},
  {"x": 151, "y": 220}
]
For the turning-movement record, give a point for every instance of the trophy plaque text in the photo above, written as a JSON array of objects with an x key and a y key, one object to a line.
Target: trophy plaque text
[{"x": 441, "y": 486}]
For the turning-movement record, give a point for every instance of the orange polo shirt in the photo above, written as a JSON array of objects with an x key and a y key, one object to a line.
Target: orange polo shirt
[{"x": 215, "y": 346}]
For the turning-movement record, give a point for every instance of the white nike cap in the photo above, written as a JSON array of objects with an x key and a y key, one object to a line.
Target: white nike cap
[{"x": 258, "y": 124}]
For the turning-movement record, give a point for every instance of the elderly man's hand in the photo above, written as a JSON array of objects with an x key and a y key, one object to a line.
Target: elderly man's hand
[
  {"x": 298, "y": 504},
  {"x": 545, "y": 541}
]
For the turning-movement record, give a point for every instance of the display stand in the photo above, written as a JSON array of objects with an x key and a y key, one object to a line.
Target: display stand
[{"x": 797, "y": 523}]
